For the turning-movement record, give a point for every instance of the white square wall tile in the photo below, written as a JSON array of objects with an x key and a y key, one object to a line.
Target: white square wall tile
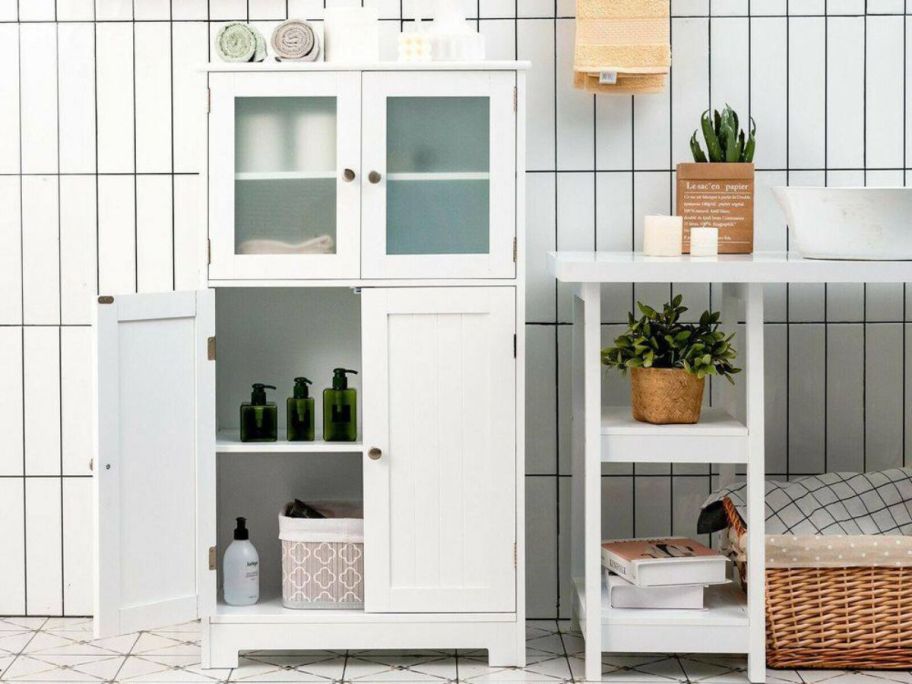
[
  {"x": 541, "y": 404},
  {"x": 43, "y": 546},
  {"x": 116, "y": 235},
  {"x": 76, "y": 78},
  {"x": 12, "y": 569},
  {"x": 75, "y": 10},
  {"x": 883, "y": 396},
  {"x": 575, "y": 118},
  {"x": 151, "y": 10},
  {"x": 154, "y": 202},
  {"x": 38, "y": 93},
  {"x": 535, "y": 42},
  {"x": 114, "y": 84},
  {"x": 78, "y": 546},
  {"x": 41, "y": 400},
  {"x": 11, "y": 255},
  {"x": 9, "y": 103},
  {"x": 78, "y": 236},
  {"x": 76, "y": 402},
  {"x": 11, "y": 444},
  {"x": 36, "y": 10},
  {"x": 153, "y": 97},
  {"x": 845, "y": 398},
  {"x": 40, "y": 250},
  {"x": 114, "y": 10},
  {"x": 541, "y": 546}
]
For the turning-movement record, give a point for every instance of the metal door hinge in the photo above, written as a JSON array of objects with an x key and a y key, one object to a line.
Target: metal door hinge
[
  {"x": 514, "y": 554},
  {"x": 92, "y": 465},
  {"x": 208, "y": 251},
  {"x": 515, "y": 97},
  {"x": 208, "y": 100},
  {"x": 514, "y": 345},
  {"x": 210, "y": 349},
  {"x": 212, "y": 563},
  {"x": 106, "y": 299},
  {"x": 514, "y": 250}
]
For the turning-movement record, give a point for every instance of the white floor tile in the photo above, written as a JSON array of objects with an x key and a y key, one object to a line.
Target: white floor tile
[
  {"x": 77, "y": 643},
  {"x": 291, "y": 668},
  {"x": 170, "y": 643},
  {"x": 161, "y": 668},
  {"x": 5, "y": 662},
  {"x": 400, "y": 669},
  {"x": 19, "y": 623},
  {"x": 63, "y": 624},
  {"x": 67, "y": 668},
  {"x": 13, "y": 642},
  {"x": 478, "y": 671}
]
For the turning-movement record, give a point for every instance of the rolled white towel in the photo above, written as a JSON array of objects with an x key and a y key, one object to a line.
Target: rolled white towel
[
  {"x": 295, "y": 40},
  {"x": 238, "y": 42}
]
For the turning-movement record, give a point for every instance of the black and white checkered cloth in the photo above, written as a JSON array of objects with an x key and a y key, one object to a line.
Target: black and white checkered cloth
[{"x": 832, "y": 504}]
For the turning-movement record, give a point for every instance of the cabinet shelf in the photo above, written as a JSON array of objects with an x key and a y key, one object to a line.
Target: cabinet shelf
[
  {"x": 721, "y": 627},
  {"x": 717, "y": 438},
  {"x": 229, "y": 441},
  {"x": 284, "y": 175},
  {"x": 441, "y": 176}
]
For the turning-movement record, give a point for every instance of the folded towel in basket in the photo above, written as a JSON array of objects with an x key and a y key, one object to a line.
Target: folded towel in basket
[
  {"x": 622, "y": 46},
  {"x": 875, "y": 503}
]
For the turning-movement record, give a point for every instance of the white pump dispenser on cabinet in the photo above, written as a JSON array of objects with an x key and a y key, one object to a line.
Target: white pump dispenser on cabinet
[{"x": 241, "y": 569}]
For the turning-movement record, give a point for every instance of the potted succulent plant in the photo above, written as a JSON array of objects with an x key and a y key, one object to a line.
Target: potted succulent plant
[
  {"x": 669, "y": 361},
  {"x": 717, "y": 189}
]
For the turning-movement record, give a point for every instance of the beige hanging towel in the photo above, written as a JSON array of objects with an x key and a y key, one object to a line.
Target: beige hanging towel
[{"x": 622, "y": 46}]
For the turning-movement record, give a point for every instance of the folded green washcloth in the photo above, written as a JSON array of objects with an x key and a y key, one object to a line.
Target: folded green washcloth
[{"x": 238, "y": 42}]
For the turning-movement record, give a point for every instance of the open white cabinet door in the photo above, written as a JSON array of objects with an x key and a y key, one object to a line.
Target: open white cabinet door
[{"x": 155, "y": 451}]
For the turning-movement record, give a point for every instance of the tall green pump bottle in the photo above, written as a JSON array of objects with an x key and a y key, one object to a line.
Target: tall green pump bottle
[
  {"x": 259, "y": 418},
  {"x": 340, "y": 409},
  {"x": 300, "y": 423}
]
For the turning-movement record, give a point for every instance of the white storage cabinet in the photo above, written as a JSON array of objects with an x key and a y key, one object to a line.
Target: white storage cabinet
[{"x": 369, "y": 217}]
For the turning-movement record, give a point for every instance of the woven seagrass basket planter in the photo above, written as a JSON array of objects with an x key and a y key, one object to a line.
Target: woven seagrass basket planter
[
  {"x": 836, "y": 618},
  {"x": 665, "y": 395}
]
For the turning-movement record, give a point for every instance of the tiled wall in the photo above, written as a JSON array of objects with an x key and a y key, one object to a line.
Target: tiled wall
[{"x": 101, "y": 133}]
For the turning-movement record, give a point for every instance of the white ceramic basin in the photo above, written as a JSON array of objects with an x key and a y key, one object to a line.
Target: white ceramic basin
[{"x": 849, "y": 223}]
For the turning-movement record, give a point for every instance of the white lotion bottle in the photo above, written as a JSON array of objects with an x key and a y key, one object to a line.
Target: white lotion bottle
[{"x": 241, "y": 569}]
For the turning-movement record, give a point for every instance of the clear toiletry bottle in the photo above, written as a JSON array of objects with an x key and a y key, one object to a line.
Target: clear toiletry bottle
[
  {"x": 300, "y": 418},
  {"x": 259, "y": 418},
  {"x": 241, "y": 569},
  {"x": 340, "y": 409}
]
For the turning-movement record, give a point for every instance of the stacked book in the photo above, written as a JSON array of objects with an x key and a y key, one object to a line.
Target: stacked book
[{"x": 669, "y": 572}]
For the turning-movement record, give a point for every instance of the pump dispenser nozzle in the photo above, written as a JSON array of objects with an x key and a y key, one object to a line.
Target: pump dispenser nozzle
[
  {"x": 241, "y": 531},
  {"x": 340, "y": 379},
  {"x": 300, "y": 388},
  {"x": 258, "y": 395}
]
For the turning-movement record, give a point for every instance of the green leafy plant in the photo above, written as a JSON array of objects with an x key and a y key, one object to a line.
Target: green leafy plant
[
  {"x": 725, "y": 141},
  {"x": 661, "y": 340}
]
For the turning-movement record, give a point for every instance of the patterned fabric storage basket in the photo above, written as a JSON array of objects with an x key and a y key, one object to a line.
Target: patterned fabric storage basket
[
  {"x": 323, "y": 558},
  {"x": 833, "y": 602}
]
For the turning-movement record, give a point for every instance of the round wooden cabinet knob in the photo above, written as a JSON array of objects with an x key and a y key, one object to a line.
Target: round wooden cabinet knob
[
  {"x": 348, "y": 175},
  {"x": 374, "y": 177},
  {"x": 374, "y": 454}
]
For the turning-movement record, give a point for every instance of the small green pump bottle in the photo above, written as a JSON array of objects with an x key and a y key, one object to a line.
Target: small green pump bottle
[
  {"x": 259, "y": 418},
  {"x": 300, "y": 423},
  {"x": 340, "y": 409}
]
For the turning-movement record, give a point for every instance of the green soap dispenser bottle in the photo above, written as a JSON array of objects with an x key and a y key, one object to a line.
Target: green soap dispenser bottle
[
  {"x": 300, "y": 423},
  {"x": 340, "y": 409},
  {"x": 259, "y": 418}
]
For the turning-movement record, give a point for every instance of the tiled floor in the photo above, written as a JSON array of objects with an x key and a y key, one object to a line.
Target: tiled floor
[{"x": 62, "y": 650}]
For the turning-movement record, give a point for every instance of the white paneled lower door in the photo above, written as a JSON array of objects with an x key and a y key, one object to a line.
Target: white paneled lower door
[
  {"x": 155, "y": 450},
  {"x": 440, "y": 449}
]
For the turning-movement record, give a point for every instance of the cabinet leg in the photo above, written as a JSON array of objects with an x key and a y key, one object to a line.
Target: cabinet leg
[
  {"x": 756, "y": 669},
  {"x": 221, "y": 658},
  {"x": 507, "y": 652}
]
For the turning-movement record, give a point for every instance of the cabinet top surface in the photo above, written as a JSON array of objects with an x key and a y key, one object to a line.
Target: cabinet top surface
[
  {"x": 272, "y": 65},
  {"x": 759, "y": 267}
]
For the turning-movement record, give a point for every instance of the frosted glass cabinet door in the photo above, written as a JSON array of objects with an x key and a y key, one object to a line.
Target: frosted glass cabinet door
[
  {"x": 439, "y": 160},
  {"x": 440, "y": 435},
  {"x": 284, "y": 168}
]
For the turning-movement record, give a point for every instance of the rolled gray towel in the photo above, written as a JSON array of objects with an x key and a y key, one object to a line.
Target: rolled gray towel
[
  {"x": 238, "y": 42},
  {"x": 295, "y": 40}
]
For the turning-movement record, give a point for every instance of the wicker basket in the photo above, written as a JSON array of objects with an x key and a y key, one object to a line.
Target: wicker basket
[
  {"x": 857, "y": 618},
  {"x": 665, "y": 395}
]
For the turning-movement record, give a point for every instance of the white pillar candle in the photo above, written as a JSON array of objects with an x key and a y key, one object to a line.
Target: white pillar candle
[
  {"x": 663, "y": 236},
  {"x": 704, "y": 241}
]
